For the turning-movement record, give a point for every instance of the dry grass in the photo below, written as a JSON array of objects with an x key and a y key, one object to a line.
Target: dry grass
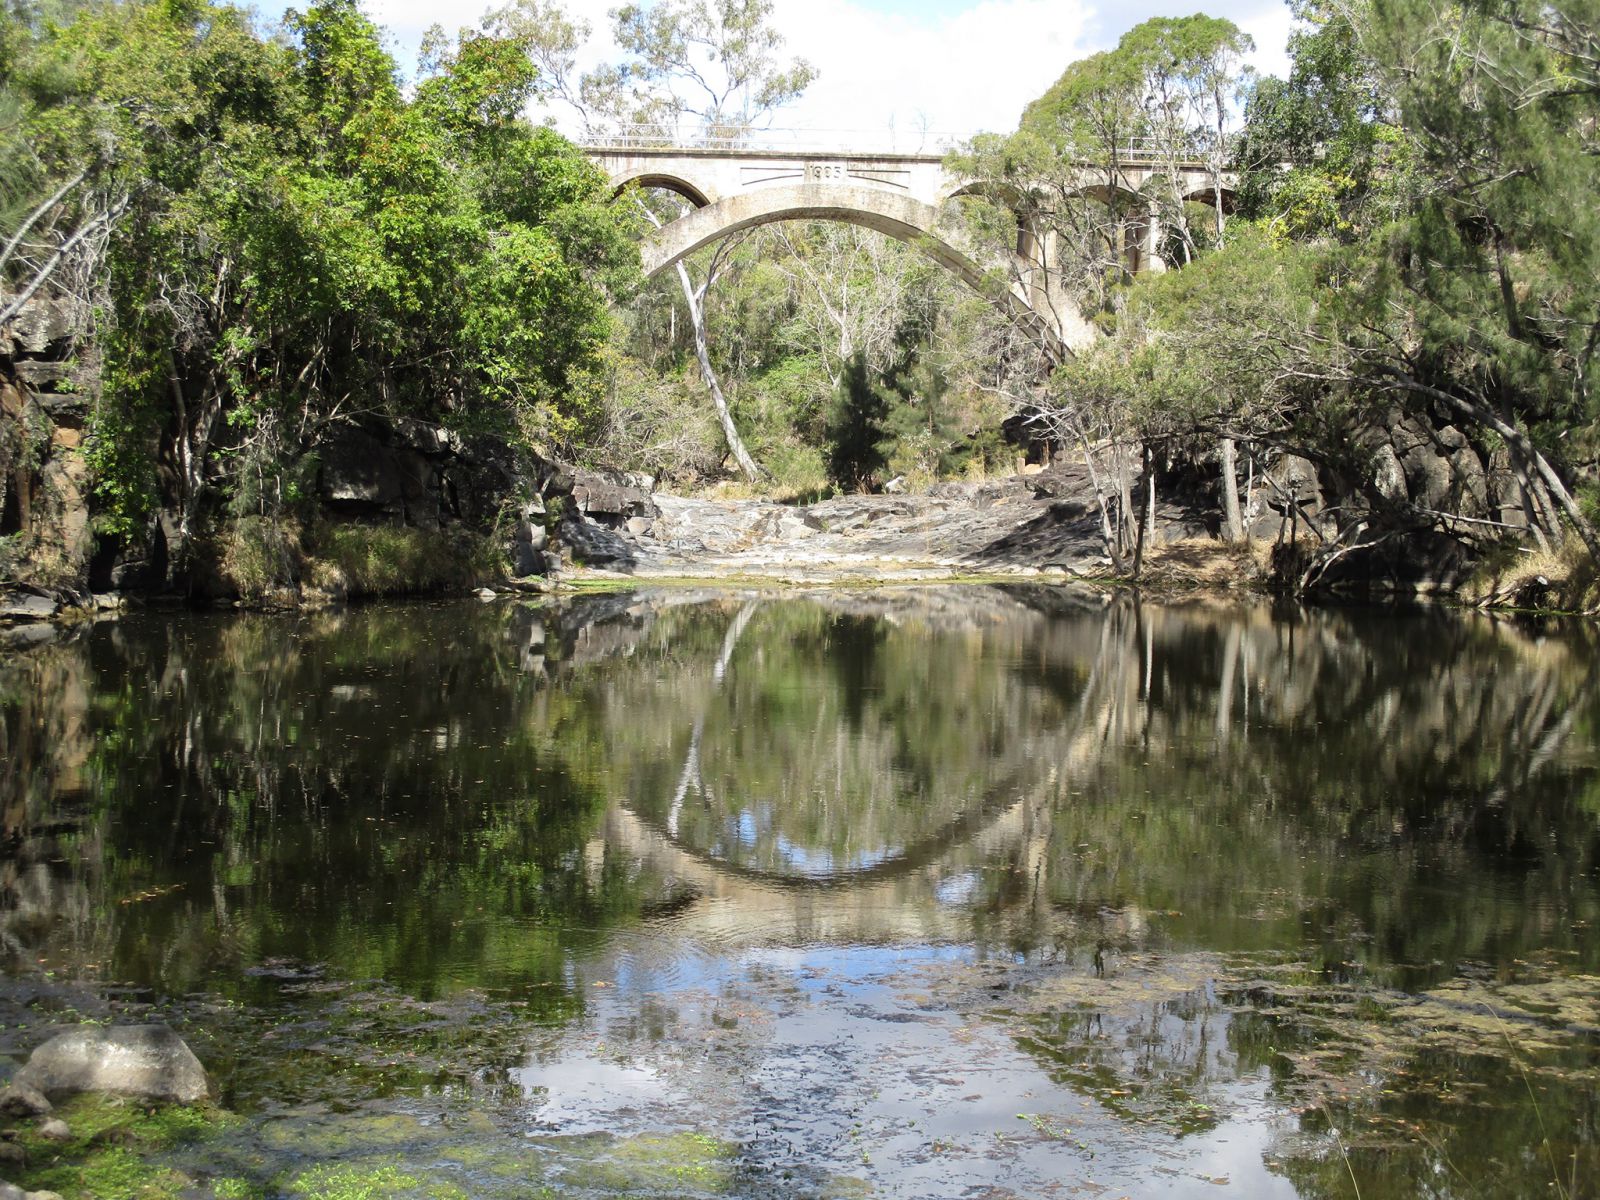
[
  {"x": 778, "y": 491},
  {"x": 1205, "y": 564},
  {"x": 389, "y": 560},
  {"x": 260, "y": 557},
  {"x": 1563, "y": 580}
]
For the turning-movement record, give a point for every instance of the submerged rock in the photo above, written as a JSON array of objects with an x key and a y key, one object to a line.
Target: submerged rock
[
  {"x": 150, "y": 1061},
  {"x": 10, "y": 1191},
  {"x": 20, "y": 1101}
]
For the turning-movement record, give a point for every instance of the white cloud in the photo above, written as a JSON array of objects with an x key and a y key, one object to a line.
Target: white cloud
[
  {"x": 972, "y": 70},
  {"x": 1270, "y": 27},
  {"x": 885, "y": 76}
]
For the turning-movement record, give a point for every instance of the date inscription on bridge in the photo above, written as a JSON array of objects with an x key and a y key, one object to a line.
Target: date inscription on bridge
[{"x": 826, "y": 172}]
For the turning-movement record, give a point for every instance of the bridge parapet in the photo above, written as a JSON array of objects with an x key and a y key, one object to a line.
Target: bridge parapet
[
  {"x": 778, "y": 139},
  {"x": 714, "y": 169}
]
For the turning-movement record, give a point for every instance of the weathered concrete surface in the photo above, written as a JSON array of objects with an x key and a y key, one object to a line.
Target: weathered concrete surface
[{"x": 706, "y": 175}]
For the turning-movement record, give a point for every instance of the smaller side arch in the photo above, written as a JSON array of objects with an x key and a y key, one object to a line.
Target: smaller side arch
[
  {"x": 1135, "y": 231},
  {"x": 1208, "y": 196},
  {"x": 699, "y": 197},
  {"x": 1029, "y": 244}
]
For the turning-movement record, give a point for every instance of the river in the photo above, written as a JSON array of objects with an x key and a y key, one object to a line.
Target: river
[{"x": 946, "y": 892}]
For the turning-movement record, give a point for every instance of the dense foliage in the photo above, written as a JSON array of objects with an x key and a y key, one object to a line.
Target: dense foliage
[
  {"x": 281, "y": 236},
  {"x": 274, "y": 234},
  {"x": 1404, "y": 230}
]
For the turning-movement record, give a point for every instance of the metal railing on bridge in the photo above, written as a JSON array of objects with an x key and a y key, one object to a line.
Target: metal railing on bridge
[
  {"x": 772, "y": 140},
  {"x": 861, "y": 141}
]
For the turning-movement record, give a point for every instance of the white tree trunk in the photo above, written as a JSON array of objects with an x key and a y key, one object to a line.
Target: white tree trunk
[
  {"x": 1230, "y": 491},
  {"x": 702, "y": 352}
]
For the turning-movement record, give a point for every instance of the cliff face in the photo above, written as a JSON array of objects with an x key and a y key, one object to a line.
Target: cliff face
[{"x": 45, "y": 537}]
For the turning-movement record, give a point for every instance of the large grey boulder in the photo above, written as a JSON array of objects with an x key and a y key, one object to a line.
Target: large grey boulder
[
  {"x": 22, "y": 606},
  {"x": 149, "y": 1061}
]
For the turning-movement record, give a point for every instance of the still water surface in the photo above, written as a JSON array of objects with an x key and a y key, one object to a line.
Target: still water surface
[{"x": 946, "y": 892}]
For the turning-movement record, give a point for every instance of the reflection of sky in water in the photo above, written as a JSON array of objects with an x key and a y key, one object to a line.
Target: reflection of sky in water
[
  {"x": 747, "y": 830},
  {"x": 958, "y": 889},
  {"x": 838, "y": 1060},
  {"x": 590, "y": 1095}
]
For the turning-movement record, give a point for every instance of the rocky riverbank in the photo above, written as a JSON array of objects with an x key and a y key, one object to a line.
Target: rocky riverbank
[{"x": 401, "y": 507}]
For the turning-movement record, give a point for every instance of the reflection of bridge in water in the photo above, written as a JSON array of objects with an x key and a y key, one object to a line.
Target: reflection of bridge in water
[
  {"x": 735, "y": 186},
  {"x": 729, "y": 905},
  {"x": 915, "y": 892},
  {"x": 1109, "y": 679}
]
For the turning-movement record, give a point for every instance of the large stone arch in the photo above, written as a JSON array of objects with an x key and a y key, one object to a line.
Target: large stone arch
[{"x": 899, "y": 216}]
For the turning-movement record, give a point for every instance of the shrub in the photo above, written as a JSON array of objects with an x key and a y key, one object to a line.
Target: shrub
[
  {"x": 261, "y": 555},
  {"x": 388, "y": 560}
]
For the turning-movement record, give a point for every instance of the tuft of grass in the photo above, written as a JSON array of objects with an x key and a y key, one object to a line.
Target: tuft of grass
[
  {"x": 389, "y": 560},
  {"x": 1562, "y": 580},
  {"x": 352, "y": 1183},
  {"x": 261, "y": 556}
]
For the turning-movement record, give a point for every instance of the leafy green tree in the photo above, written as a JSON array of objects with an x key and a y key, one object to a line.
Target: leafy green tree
[
  {"x": 1191, "y": 70},
  {"x": 1322, "y": 153},
  {"x": 693, "y": 72},
  {"x": 855, "y": 431},
  {"x": 1485, "y": 300},
  {"x": 286, "y": 238}
]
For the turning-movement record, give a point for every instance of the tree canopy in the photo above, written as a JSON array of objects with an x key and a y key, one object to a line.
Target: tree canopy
[{"x": 279, "y": 235}]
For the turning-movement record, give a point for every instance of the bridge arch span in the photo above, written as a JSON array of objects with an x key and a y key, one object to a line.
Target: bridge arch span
[
  {"x": 1208, "y": 197},
  {"x": 899, "y": 216},
  {"x": 696, "y": 195}
]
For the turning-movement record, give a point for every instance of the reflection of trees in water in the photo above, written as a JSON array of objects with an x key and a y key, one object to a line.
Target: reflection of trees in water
[
  {"x": 1332, "y": 774},
  {"x": 357, "y": 788},
  {"x": 1396, "y": 799},
  {"x": 826, "y": 744},
  {"x": 1377, "y": 798},
  {"x": 1374, "y": 800},
  {"x": 1394, "y": 787},
  {"x": 44, "y": 745}
]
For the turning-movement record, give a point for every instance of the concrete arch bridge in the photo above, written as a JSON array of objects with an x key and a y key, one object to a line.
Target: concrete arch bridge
[{"x": 737, "y": 186}]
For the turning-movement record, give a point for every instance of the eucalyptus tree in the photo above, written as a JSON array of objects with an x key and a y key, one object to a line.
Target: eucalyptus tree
[
  {"x": 1093, "y": 173},
  {"x": 693, "y": 70},
  {"x": 1321, "y": 153},
  {"x": 851, "y": 290},
  {"x": 1192, "y": 71}
]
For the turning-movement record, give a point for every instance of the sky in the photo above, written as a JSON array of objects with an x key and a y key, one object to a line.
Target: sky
[{"x": 898, "y": 73}]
